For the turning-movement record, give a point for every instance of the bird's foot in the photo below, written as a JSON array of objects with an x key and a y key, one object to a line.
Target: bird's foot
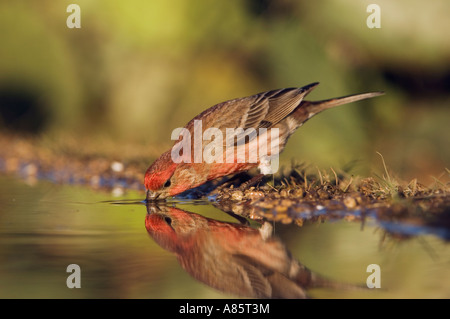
[{"x": 253, "y": 181}]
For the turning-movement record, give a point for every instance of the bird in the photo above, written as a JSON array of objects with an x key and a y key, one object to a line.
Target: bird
[
  {"x": 234, "y": 257},
  {"x": 282, "y": 111}
]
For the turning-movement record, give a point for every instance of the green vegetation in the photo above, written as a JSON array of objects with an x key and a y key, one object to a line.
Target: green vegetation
[
  {"x": 133, "y": 73},
  {"x": 95, "y": 106}
]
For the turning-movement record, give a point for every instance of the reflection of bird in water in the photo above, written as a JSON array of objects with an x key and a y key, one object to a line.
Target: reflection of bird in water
[{"x": 230, "y": 257}]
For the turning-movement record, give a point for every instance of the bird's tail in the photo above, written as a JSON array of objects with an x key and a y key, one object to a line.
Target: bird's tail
[
  {"x": 308, "y": 280},
  {"x": 314, "y": 107}
]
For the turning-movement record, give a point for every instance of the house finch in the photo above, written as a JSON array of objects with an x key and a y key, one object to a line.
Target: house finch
[
  {"x": 281, "y": 111},
  {"x": 233, "y": 258}
]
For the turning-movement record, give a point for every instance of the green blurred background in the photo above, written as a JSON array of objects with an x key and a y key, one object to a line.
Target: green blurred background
[{"x": 136, "y": 70}]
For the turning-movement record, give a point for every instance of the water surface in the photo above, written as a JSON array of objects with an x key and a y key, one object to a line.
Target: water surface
[{"x": 44, "y": 227}]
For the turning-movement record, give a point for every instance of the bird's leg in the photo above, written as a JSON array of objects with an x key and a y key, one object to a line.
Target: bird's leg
[
  {"x": 254, "y": 180},
  {"x": 227, "y": 182}
]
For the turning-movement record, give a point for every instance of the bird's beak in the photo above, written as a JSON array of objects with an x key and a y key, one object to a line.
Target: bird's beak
[{"x": 152, "y": 196}]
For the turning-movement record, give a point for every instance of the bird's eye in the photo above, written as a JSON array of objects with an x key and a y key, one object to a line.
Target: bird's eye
[
  {"x": 168, "y": 220},
  {"x": 167, "y": 183}
]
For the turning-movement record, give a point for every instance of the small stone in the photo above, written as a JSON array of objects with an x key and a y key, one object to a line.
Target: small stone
[
  {"x": 252, "y": 194},
  {"x": 299, "y": 222},
  {"x": 284, "y": 193},
  {"x": 237, "y": 195},
  {"x": 281, "y": 209},
  {"x": 117, "y": 191},
  {"x": 286, "y": 220},
  {"x": 299, "y": 193},
  {"x": 95, "y": 181},
  {"x": 350, "y": 202},
  {"x": 117, "y": 167},
  {"x": 323, "y": 194},
  {"x": 30, "y": 170}
]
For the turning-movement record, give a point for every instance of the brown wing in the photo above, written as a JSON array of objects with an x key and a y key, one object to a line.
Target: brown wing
[
  {"x": 282, "y": 103},
  {"x": 265, "y": 109}
]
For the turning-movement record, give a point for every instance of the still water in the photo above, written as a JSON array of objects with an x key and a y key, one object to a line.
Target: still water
[{"x": 193, "y": 250}]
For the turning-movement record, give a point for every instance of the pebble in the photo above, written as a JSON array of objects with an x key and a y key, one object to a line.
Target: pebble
[
  {"x": 350, "y": 202},
  {"x": 117, "y": 166},
  {"x": 30, "y": 170},
  {"x": 284, "y": 193},
  {"x": 117, "y": 191},
  {"x": 237, "y": 195},
  {"x": 252, "y": 194}
]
